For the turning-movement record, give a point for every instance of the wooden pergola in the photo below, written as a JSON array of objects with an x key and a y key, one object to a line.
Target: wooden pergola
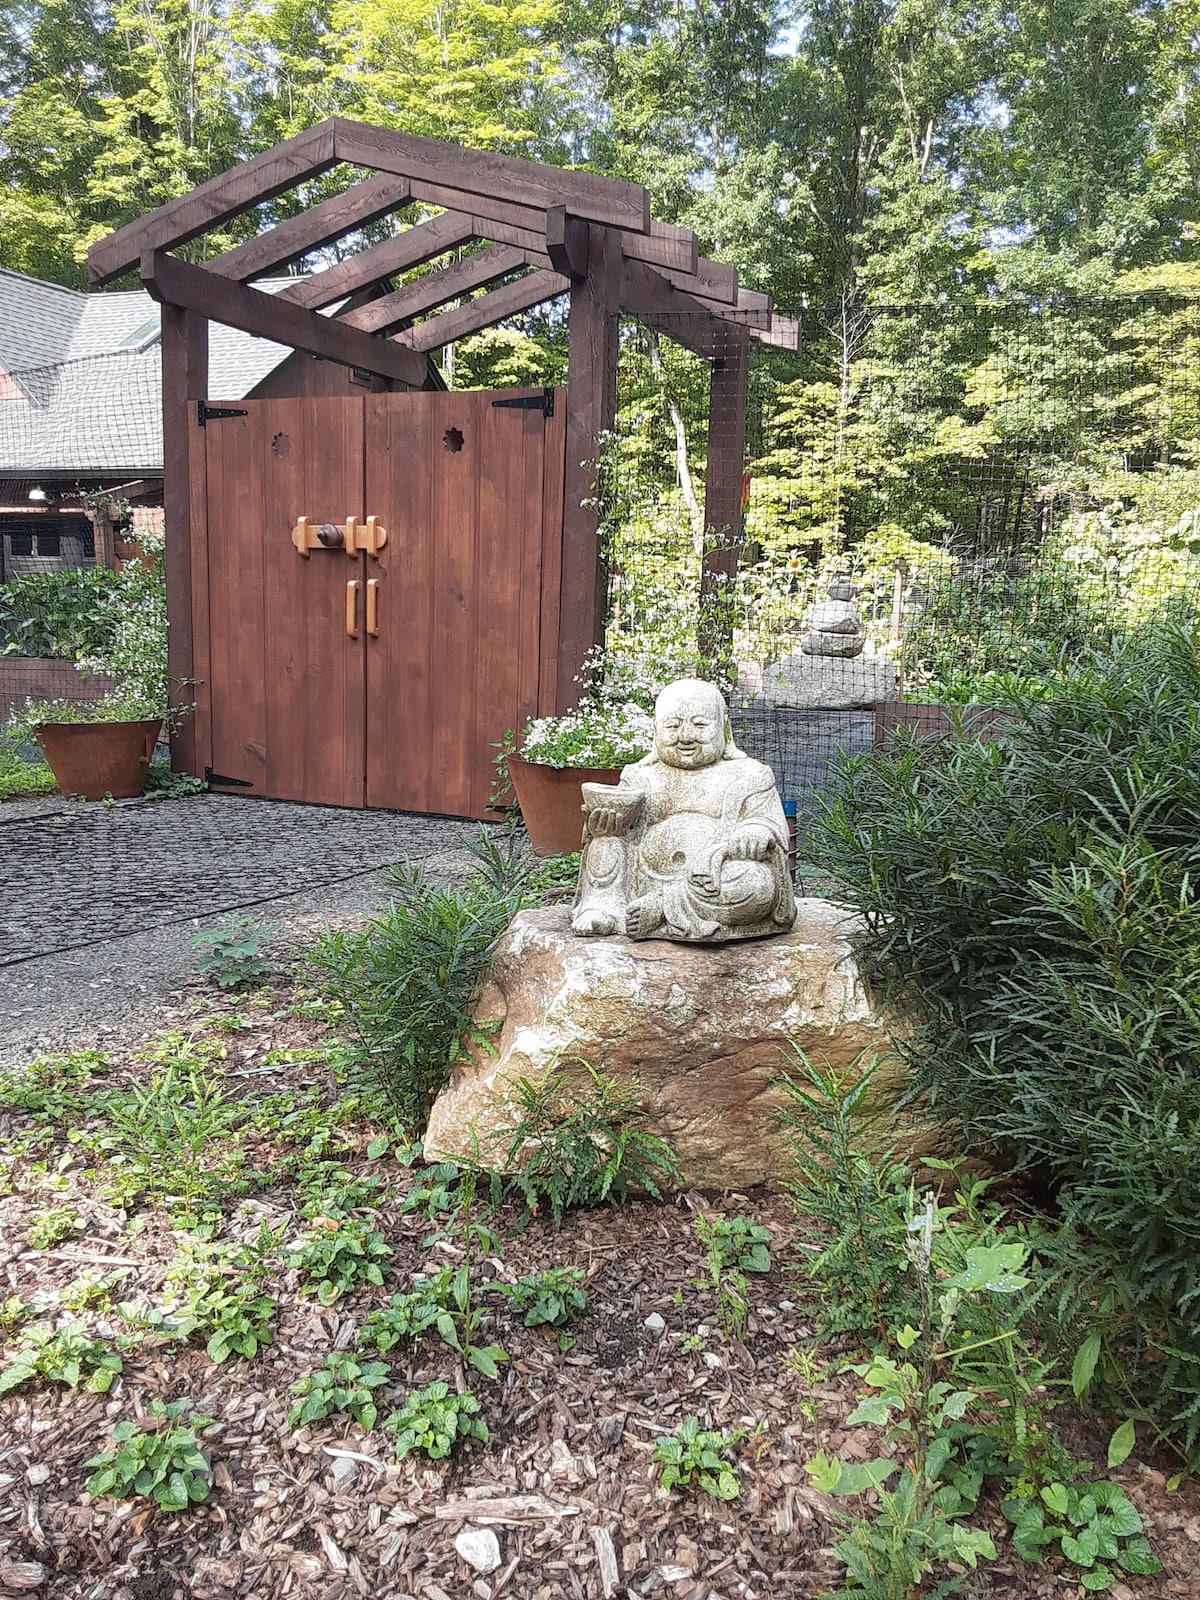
[{"x": 542, "y": 231}]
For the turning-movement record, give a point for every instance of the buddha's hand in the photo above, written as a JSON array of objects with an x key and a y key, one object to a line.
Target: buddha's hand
[
  {"x": 605, "y": 818},
  {"x": 605, "y": 821},
  {"x": 750, "y": 844}
]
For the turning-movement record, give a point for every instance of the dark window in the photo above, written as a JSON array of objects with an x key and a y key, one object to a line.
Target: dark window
[
  {"x": 49, "y": 542},
  {"x": 21, "y": 544}
]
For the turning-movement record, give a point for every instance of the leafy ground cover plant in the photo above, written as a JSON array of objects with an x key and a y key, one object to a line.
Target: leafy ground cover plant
[
  {"x": 552, "y": 1298},
  {"x": 165, "y": 1463},
  {"x": 217, "y": 1297},
  {"x": 13, "y": 1312},
  {"x": 1094, "y": 1524},
  {"x": 175, "y": 1137},
  {"x": 339, "y": 1253},
  {"x": 700, "y": 1458},
  {"x": 67, "y": 1355},
  {"x": 52, "y": 1226},
  {"x": 1035, "y": 900},
  {"x": 340, "y": 1384},
  {"x": 19, "y": 777},
  {"x": 92, "y": 1291},
  {"x": 733, "y": 1246},
  {"x": 568, "y": 1147},
  {"x": 434, "y": 1421},
  {"x": 737, "y": 1242},
  {"x": 408, "y": 1316},
  {"x": 958, "y": 1390},
  {"x": 231, "y": 954}
]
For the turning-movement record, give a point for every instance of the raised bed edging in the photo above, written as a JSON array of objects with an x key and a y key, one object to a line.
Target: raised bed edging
[
  {"x": 40, "y": 678},
  {"x": 936, "y": 721}
]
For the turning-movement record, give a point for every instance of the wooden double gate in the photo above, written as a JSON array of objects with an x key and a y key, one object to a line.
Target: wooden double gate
[{"x": 332, "y": 672}]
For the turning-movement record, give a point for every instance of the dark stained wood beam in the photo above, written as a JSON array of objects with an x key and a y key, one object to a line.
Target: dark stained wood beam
[
  {"x": 320, "y": 225},
  {"x": 567, "y": 243},
  {"x": 485, "y": 173},
  {"x": 751, "y": 310},
  {"x": 714, "y": 280},
  {"x": 687, "y": 320},
  {"x": 184, "y": 381},
  {"x": 592, "y": 328},
  {"x": 436, "y": 332},
  {"x": 227, "y": 195},
  {"x": 415, "y": 299},
  {"x": 532, "y": 240},
  {"x": 178, "y": 283},
  {"x": 723, "y": 491},
  {"x": 783, "y": 333},
  {"x": 406, "y": 250},
  {"x": 666, "y": 245}
]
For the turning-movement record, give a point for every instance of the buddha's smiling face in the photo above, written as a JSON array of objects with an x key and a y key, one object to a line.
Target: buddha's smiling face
[{"x": 689, "y": 725}]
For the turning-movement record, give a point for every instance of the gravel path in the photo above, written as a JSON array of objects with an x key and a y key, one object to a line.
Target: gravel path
[{"x": 98, "y": 904}]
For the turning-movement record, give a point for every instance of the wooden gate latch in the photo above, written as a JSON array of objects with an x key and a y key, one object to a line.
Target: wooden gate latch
[{"x": 351, "y": 536}]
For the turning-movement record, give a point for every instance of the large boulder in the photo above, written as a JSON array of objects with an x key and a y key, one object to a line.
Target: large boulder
[
  {"x": 805, "y": 682},
  {"x": 703, "y": 1028}
]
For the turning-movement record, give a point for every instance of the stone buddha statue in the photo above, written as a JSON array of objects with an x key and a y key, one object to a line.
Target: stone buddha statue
[{"x": 692, "y": 843}]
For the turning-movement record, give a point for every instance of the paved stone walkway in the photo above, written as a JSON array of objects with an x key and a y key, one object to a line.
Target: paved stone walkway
[{"x": 98, "y": 904}]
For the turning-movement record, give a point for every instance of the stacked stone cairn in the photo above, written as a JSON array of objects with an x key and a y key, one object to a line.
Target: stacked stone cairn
[{"x": 835, "y": 624}]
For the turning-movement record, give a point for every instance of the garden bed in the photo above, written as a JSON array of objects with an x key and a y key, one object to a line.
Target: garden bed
[{"x": 566, "y": 1480}]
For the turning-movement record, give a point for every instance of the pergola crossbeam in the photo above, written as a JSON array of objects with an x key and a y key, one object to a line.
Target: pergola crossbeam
[
  {"x": 320, "y": 225},
  {"x": 401, "y": 253},
  {"x": 248, "y": 184},
  {"x": 484, "y": 312},
  {"x": 684, "y": 317},
  {"x": 436, "y": 288},
  {"x": 178, "y": 283}
]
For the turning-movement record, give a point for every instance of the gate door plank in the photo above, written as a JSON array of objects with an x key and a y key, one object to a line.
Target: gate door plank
[
  {"x": 460, "y": 485},
  {"x": 288, "y": 683}
]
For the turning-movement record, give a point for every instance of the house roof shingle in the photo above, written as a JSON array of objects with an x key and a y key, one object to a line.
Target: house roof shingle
[{"x": 80, "y": 404}]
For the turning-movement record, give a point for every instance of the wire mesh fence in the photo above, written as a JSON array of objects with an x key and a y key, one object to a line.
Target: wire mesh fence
[{"x": 938, "y": 507}]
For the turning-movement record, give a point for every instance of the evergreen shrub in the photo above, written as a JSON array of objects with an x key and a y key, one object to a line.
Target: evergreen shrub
[{"x": 1034, "y": 900}]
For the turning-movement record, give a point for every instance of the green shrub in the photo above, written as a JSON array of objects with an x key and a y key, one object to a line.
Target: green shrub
[
  {"x": 989, "y": 633},
  {"x": 406, "y": 980},
  {"x": 1035, "y": 900},
  {"x": 573, "y": 1149},
  {"x": 62, "y": 615}
]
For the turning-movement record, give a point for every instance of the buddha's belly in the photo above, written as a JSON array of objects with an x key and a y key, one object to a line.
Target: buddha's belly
[{"x": 680, "y": 844}]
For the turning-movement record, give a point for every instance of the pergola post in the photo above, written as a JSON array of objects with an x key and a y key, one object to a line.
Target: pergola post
[
  {"x": 184, "y": 381},
  {"x": 591, "y": 414},
  {"x": 723, "y": 491}
]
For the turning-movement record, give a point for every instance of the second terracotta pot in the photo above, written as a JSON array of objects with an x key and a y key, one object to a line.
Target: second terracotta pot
[{"x": 97, "y": 759}]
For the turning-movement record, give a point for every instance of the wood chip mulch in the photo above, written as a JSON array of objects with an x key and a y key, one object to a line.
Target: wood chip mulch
[{"x": 566, "y": 1482}]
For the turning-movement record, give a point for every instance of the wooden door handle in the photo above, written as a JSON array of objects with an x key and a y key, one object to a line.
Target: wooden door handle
[
  {"x": 373, "y": 607},
  {"x": 352, "y": 608}
]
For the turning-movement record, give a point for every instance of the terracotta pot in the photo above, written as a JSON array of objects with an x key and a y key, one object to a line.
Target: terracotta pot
[
  {"x": 551, "y": 802},
  {"x": 95, "y": 759}
]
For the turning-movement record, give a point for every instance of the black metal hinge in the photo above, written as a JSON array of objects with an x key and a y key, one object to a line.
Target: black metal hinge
[
  {"x": 222, "y": 782},
  {"x": 543, "y": 402},
  {"x": 206, "y": 413}
]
